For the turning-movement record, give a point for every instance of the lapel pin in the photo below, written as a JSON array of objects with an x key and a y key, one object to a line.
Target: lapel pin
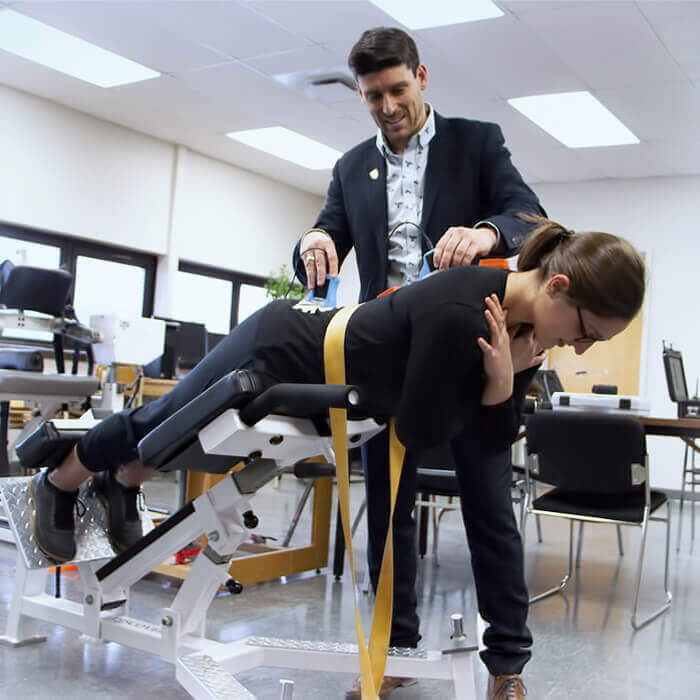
[{"x": 374, "y": 174}]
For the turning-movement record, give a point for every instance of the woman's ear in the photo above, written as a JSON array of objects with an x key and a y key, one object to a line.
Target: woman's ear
[{"x": 557, "y": 284}]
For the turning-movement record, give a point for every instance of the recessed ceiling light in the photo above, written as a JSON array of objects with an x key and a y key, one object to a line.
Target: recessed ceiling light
[
  {"x": 438, "y": 13},
  {"x": 38, "y": 42},
  {"x": 289, "y": 145},
  {"x": 577, "y": 119}
]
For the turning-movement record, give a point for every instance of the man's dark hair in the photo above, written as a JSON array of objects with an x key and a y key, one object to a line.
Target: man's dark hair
[{"x": 383, "y": 47}]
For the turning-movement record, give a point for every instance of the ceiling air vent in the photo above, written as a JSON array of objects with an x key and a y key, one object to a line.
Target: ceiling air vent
[{"x": 323, "y": 86}]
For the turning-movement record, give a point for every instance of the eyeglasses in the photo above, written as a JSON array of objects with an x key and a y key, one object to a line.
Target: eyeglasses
[{"x": 584, "y": 339}]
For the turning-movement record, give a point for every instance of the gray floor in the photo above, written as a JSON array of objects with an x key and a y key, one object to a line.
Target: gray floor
[{"x": 584, "y": 645}]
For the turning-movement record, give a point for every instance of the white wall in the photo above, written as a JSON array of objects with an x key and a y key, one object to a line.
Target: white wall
[
  {"x": 69, "y": 173},
  {"x": 661, "y": 216},
  {"x": 235, "y": 219}
]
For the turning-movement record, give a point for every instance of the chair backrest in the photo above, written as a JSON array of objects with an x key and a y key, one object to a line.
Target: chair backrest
[
  {"x": 591, "y": 451},
  {"x": 675, "y": 375},
  {"x": 34, "y": 288}
]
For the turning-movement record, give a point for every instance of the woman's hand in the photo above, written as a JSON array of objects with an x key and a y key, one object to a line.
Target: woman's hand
[
  {"x": 498, "y": 363},
  {"x": 524, "y": 350}
]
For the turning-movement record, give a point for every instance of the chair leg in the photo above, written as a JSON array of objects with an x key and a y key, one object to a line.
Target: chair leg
[
  {"x": 579, "y": 546},
  {"x": 680, "y": 510},
  {"x": 619, "y": 541},
  {"x": 636, "y": 623},
  {"x": 693, "y": 482},
  {"x": 566, "y": 578}
]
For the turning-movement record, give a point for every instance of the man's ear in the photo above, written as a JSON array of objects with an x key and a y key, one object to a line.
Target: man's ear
[
  {"x": 422, "y": 76},
  {"x": 557, "y": 284}
]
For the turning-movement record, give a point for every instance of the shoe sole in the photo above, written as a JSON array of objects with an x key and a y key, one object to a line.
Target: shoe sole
[{"x": 55, "y": 559}]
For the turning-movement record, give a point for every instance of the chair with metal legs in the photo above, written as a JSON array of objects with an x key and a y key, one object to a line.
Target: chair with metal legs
[
  {"x": 598, "y": 466},
  {"x": 687, "y": 407}
]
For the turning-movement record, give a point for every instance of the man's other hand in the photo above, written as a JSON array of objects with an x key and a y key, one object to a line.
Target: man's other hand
[
  {"x": 319, "y": 257},
  {"x": 459, "y": 245}
]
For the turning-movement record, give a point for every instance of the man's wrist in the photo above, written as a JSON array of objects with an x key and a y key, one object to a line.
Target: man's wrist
[
  {"x": 315, "y": 230},
  {"x": 491, "y": 227}
]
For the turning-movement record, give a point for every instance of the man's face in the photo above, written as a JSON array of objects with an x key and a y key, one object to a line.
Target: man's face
[{"x": 394, "y": 97}]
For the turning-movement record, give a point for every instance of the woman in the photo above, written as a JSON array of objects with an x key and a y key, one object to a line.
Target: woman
[{"x": 420, "y": 354}]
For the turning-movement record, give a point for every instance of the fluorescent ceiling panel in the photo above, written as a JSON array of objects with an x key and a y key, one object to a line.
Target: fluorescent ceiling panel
[
  {"x": 437, "y": 13},
  {"x": 38, "y": 42},
  {"x": 577, "y": 119},
  {"x": 289, "y": 145}
]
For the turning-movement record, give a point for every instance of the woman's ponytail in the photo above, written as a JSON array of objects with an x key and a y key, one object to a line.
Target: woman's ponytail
[{"x": 606, "y": 273}]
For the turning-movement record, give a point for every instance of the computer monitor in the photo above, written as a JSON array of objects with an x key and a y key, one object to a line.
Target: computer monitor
[
  {"x": 185, "y": 345},
  {"x": 675, "y": 375}
]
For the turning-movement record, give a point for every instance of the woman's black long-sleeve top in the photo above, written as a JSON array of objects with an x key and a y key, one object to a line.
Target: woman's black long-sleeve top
[{"x": 413, "y": 354}]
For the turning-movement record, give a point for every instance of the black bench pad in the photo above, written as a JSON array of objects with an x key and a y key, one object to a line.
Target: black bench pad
[{"x": 177, "y": 433}]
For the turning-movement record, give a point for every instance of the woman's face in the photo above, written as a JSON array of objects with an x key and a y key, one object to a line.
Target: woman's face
[{"x": 558, "y": 322}]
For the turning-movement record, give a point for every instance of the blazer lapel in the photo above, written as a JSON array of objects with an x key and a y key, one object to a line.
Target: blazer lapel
[
  {"x": 438, "y": 161},
  {"x": 375, "y": 196}
]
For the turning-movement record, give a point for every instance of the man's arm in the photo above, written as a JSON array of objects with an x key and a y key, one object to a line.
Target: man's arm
[
  {"x": 502, "y": 195},
  {"x": 323, "y": 248},
  {"x": 505, "y": 195}
]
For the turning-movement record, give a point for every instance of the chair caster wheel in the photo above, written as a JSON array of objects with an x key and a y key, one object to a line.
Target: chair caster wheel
[{"x": 234, "y": 587}]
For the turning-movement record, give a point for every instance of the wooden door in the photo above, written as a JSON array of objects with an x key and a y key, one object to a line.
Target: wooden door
[{"x": 616, "y": 361}]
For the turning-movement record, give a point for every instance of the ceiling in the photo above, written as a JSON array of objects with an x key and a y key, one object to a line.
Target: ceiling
[{"x": 218, "y": 59}]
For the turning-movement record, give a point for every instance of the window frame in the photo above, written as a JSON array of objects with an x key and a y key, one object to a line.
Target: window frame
[
  {"x": 70, "y": 248},
  {"x": 236, "y": 279}
]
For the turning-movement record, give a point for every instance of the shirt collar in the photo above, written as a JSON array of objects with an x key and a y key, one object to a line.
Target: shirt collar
[{"x": 424, "y": 136}]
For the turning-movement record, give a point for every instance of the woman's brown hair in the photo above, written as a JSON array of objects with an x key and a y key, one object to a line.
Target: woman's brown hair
[{"x": 606, "y": 273}]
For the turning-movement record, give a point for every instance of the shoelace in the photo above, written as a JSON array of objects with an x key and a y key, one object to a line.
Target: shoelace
[{"x": 508, "y": 689}]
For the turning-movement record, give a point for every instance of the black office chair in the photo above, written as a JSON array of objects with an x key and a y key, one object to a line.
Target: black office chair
[
  {"x": 687, "y": 408},
  {"x": 598, "y": 466}
]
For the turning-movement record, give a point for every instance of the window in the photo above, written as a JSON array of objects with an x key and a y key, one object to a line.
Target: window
[
  {"x": 251, "y": 299},
  {"x": 204, "y": 300},
  {"x": 107, "y": 279},
  {"x": 217, "y": 297},
  {"x": 107, "y": 287},
  {"x": 27, "y": 253}
]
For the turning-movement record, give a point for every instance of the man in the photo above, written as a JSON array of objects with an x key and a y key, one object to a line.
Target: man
[{"x": 428, "y": 181}]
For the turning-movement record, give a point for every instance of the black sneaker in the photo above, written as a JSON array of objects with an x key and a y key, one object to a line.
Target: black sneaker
[
  {"x": 121, "y": 506},
  {"x": 52, "y": 518}
]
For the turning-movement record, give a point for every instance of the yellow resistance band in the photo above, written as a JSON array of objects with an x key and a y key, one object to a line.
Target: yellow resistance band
[{"x": 372, "y": 661}]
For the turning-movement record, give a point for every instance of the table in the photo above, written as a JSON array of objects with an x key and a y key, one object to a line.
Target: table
[{"x": 688, "y": 429}]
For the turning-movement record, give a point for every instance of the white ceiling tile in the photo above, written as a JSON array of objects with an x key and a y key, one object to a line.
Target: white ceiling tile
[
  {"x": 607, "y": 44},
  {"x": 503, "y": 56},
  {"x": 308, "y": 58},
  {"x": 254, "y": 99},
  {"x": 681, "y": 156},
  {"x": 323, "y": 22},
  {"x": 130, "y": 29},
  {"x": 635, "y": 160},
  {"x": 678, "y": 25},
  {"x": 640, "y": 59},
  {"x": 658, "y": 111}
]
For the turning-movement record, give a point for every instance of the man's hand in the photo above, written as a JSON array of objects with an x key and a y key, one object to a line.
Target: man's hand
[
  {"x": 524, "y": 349},
  {"x": 319, "y": 257},
  {"x": 459, "y": 244},
  {"x": 498, "y": 364}
]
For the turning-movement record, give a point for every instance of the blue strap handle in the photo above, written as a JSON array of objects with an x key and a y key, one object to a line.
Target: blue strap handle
[
  {"x": 329, "y": 300},
  {"x": 428, "y": 267}
]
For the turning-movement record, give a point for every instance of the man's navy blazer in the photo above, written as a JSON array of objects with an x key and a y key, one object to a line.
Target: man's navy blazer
[{"x": 469, "y": 178}]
